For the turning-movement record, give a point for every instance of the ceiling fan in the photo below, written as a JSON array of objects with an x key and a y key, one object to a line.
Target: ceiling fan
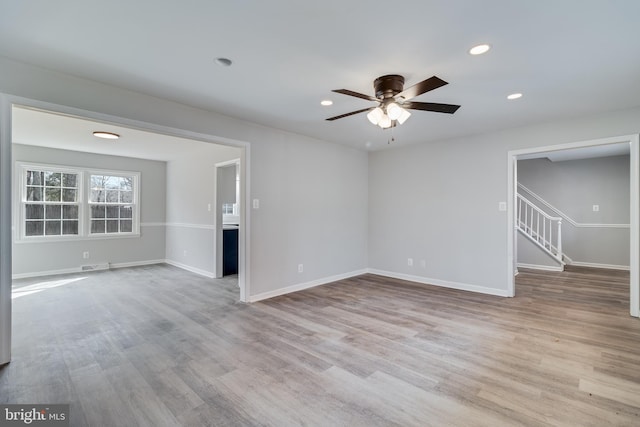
[{"x": 394, "y": 101}]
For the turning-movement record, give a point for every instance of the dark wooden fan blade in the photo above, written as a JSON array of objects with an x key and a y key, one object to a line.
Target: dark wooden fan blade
[
  {"x": 430, "y": 106},
  {"x": 356, "y": 94},
  {"x": 350, "y": 114},
  {"x": 422, "y": 87}
]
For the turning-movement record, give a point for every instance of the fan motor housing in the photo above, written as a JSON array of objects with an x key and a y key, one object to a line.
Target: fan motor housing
[{"x": 388, "y": 86}]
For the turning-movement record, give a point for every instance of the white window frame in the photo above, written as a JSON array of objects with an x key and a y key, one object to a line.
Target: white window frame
[{"x": 84, "y": 208}]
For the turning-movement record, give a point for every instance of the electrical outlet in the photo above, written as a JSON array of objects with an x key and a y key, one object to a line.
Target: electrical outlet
[
  {"x": 256, "y": 203},
  {"x": 209, "y": 207},
  {"x": 596, "y": 208},
  {"x": 85, "y": 255},
  {"x": 502, "y": 206},
  {"x": 300, "y": 268},
  {"x": 423, "y": 263},
  {"x": 410, "y": 262}
]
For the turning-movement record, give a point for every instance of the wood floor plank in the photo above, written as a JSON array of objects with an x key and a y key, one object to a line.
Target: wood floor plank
[{"x": 157, "y": 345}]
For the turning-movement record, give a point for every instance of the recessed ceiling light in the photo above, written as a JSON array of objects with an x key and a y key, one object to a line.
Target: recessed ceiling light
[
  {"x": 326, "y": 102},
  {"x": 225, "y": 62},
  {"x": 514, "y": 96},
  {"x": 106, "y": 135},
  {"x": 479, "y": 49}
]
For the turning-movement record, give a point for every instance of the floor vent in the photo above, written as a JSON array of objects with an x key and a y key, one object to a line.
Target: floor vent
[{"x": 93, "y": 267}]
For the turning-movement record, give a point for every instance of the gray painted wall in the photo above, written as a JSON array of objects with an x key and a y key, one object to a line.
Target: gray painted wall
[
  {"x": 574, "y": 187},
  {"x": 314, "y": 204},
  {"x": 40, "y": 257},
  {"x": 191, "y": 188},
  {"x": 313, "y": 194},
  {"x": 439, "y": 201}
]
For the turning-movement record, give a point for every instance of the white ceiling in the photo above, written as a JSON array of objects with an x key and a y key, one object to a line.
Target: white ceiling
[
  {"x": 33, "y": 127},
  {"x": 569, "y": 58}
]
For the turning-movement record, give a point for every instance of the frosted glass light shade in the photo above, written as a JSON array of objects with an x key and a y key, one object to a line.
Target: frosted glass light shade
[
  {"x": 404, "y": 116},
  {"x": 394, "y": 111},
  {"x": 385, "y": 122},
  {"x": 375, "y": 115}
]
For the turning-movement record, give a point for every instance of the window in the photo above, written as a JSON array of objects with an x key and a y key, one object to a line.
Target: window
[
  {"x": 111, "y": 202},
  {"x": 51, "y": 205},
  {"x": 65, "y": 203}
]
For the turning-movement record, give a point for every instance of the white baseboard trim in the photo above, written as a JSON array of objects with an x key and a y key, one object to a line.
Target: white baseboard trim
[
  {"x": 195, "y": 270},
  {"x": 441, "y": 283},
  {"x": 306, "y": 285},
  {"x": 596, "y": 265},
  {"x": 79, "y": 269},
  {"x": 540, "y": 267},
  {"x": 136, "y": 263},
  {"x": 46, "y": 273}
]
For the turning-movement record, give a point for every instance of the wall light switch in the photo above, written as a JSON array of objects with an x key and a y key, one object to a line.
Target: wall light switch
[
  {"x": 256, "y": 204},
  {"x": 209, "y": 207},
  {"x": 502, "y": 206},
  {"x": 410, "y": 262},
  {"x": 596, "y": 208}
]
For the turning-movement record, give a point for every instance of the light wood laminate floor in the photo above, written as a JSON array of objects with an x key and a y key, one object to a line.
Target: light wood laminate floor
[{"x": 158, "y": 346}]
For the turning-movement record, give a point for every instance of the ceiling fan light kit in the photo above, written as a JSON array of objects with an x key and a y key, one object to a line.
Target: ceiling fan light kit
[{"x": 393, "y": 100}]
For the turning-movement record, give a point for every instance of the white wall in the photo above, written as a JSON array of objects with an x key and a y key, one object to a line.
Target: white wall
[
  {"x": 30, "y": 258},
  {"x": 439, "y": 201},
  {"x": 191, "y": 188},
  {"x": 574, "y": 187},
  {"x": 313, "y": 194}
]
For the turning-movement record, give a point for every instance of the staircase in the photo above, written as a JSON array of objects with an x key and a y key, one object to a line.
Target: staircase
[{"x": 543, "y": 230}]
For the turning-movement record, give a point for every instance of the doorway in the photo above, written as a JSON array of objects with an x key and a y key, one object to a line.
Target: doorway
[
  {"x": 227, "y": 216},
  {"x": 7, "y": 103},
  {"x": 634, "y": 238}
]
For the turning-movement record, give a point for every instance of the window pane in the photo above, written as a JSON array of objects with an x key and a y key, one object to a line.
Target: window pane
[
  {"x": 53, "y": 212},
  {"x": 112, "y": 196},
  {"x": 52, "y": 179},
  {"x": 34, "y": 178},
  {"x": 112, "y": 182},
  {"x": 52, "y": 228},
  {"x": 126, "y": 211},
  {"x": 112, "y": 226},
  {"x": 126, "y": 196},
  {"x": 34, "y": 211},
  {"x": 126, "y": 183},
  {"x": 34, "y": 194},
  {"x": 97, "y": 211},
  {"x": 97, "y": 181},
  {"x": 97, "y": 196},
  {"x": 112, "y": 211},
  {"x": 69, "y": 195},
  {"x": 97, "y": 226},
  {"x": 34, "y": 228},
  {"x": 70, "y": 180},
  {"x": 69, "y": 227},
  {"x": 70, "y": 212},
  {"x": 126, "y": 226},
  {"x": 52, "y": 195}
]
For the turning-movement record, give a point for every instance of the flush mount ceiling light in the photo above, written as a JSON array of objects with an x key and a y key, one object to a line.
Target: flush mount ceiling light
[
  {"x": 326, "y": 102},
  {"x": 514, "y": 96},
  {"x": 225, "y": 62},
  {"x": 394, "y": 101},
  {"x": 106, "y": 135},
  {"x": 479, "y": 49}
]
